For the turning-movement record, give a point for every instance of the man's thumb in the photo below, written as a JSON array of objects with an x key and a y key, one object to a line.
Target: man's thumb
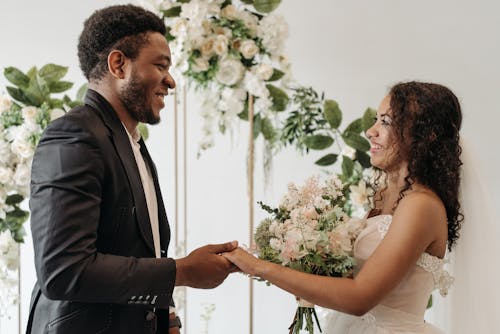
[{"x": 226, "y": 247}]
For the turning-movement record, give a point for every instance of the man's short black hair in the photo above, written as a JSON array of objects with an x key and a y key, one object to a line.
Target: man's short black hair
[{"x": 121, "y": 27}]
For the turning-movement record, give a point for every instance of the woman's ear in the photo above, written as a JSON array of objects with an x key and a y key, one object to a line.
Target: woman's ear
[{"x": 116, "y": 64}]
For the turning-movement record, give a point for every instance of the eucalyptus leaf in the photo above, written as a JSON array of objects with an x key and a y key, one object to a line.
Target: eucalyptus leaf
[
  {"x": 267, "y": 129},
  {"x": 332, "y": 113},
  {"x": 74, "y": 104},
  {"x": 279, "y": 98},
  {"x": 318, "y": 142},
  {"x": 277, "y": 74},
  {"x": 60, "y": 86},
  {"x": 347, "y": 166},
  {"x": 356, "y": 141},
  {"x": 368, "y": 118},
  {"x": 16, "y": 77},
  {"x": 327, "y": 160},
  {"x": 172, "y": 11},
  {"x": 355, "y": 126},
  {"x": 80, "y": 95},
  {"x": 257, "y": 126},
  {"x": 52, "y": 73},
  {"x": 56, "y": 103},
  {"x": 266, "y": 6},
  {"x": 14, "y": 199},
  {"x": 363, "y": 158}
]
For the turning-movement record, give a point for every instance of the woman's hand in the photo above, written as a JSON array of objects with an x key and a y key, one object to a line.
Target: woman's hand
[{"x": 245, "y": 261}]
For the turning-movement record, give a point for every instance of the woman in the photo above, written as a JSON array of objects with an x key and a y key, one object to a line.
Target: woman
[{"x": 416, "y": 216}]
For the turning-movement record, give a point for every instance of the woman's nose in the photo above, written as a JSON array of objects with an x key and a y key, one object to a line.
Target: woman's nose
[{"x": 372, "y": 131}]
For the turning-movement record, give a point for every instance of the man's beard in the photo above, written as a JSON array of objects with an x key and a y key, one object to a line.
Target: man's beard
[{"x": 134, "y": 97}]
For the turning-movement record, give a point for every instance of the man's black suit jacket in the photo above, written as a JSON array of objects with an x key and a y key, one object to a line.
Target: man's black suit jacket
[{"x": 94, "y": 254}]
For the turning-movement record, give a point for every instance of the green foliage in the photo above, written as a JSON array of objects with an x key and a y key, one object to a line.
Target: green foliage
[
  {"x": 266, "y": 6},
  {"x": 35, "y": 88}
]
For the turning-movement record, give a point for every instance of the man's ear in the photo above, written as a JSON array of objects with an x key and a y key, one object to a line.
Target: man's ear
[{"x": 117, "y": 62}]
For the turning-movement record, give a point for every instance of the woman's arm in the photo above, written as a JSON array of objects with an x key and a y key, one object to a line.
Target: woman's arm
[{"x": 416, "y": 223}]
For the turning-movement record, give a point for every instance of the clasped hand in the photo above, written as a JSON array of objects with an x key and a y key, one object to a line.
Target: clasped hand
[{"x": 205, "y": 268}]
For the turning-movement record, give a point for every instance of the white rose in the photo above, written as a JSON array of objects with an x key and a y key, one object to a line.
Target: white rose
[
  {"x": 56, "y": 113},
  {"x": 255, "y": 86},
  {"x": 349, "y": 152},
  {"x": 4, "y": 152},
  {"x": 22, "y": 175},
  {"x": 231, "y": 102},
  {"x": 251, "y": 22},
  {"x": 30, "y": 113},
  {"x": 220, "y": 45},
  {"x": 248, "y": 48},
  {"x": 5, "y": 175},
  {"x": 264, "y": 71},
  {"x": 8, "y": 251},
  {"x": 229, "y": 12},
  {"x": 22, "y": 148},
  {"x": 230, "y": 71},
  {"x": 200, "y": 65},
  {"x": 5, "y": 103},
  {"x": 273, "y": 30},
  {"x": 178, "y": 28}
]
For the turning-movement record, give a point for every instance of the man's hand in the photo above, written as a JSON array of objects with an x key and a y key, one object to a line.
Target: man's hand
[
  {"x": 204, "y": 267},
  {"x": 175, "y": 329}
]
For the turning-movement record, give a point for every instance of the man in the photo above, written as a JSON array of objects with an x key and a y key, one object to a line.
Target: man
[{"x": 99, "y": 226}]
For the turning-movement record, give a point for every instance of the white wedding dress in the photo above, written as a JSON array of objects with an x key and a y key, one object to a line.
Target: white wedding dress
[{"x": 402, "y": 310}]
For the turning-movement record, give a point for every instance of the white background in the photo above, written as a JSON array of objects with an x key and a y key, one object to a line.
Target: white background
[{"x": 353, "y": 51}]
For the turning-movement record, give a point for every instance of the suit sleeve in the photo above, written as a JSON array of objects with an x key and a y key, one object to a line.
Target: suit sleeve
[{"x": 66, "y": 184}]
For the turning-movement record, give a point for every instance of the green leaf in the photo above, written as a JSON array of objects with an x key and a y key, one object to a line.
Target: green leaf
[
  {"x": 16, "y": 77},
  {"x": 56, "y": 103},
  {"x": 32, "y": 72},
  {"x": 277, "y": 74},
  {"x": 279, "y": 98},
  {"x": 18, "y": 95},
  {"x": 327, "y": 160},
  {"x": 267, "y": 129},
  {"x": 80, "y": 95},
  {"x": 332, "y": 113},
  {"x": 355, "y": 126},
  {"x": 368, "y": 118},
  {"x": 172, "y": 11},
  {"x": 38, "y": 91},
  {"x": 60, "y": 86},
  {"x": 347, "y": 166},
  {"x": 143, "y": 130},
  {"x": 429, "y": 302},
  {"x": 363, "y": 158},
  {"x": 52, "y": 73},
  {"x": 266, "y": 6},
  {"x": 318, "y": 142},
  {"x": 356, "y": 141},
  {"x": 248, "y": 2},
  {"x": 14, "y": 199},
  {"x": 257, "y": 125}
]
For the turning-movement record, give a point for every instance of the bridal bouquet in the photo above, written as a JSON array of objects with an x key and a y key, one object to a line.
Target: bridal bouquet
[{"x": 310, "y": 232}]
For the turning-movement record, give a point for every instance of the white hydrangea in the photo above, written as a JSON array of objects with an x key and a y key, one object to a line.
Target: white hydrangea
[{"x": 273, "y": 30}]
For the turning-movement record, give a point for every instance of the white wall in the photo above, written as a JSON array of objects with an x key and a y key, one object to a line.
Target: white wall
[{"x": 352, "y": 50}]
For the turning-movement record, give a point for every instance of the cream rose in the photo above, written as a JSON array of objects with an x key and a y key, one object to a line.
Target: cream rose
[
  {"x": 200, "y": 65},
  {"x": 229, "y": 12},
  {"x": 22, "y": 148},
  {"x": 30, "y": 113},
  {"x": 220, "y": 45},
  {"x": 248, "y": 48},
  {"x": 207, "y": 48},
  {"x": 230, "y": 72},
  {"x": 5, "y": 103},
  {"x": 5, "y": 175},
  {"x": 264, "y": 71}
]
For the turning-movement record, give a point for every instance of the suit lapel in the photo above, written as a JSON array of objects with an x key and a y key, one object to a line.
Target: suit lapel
[
  {"x": 120, "y": 140},
  {"x": 162, "y": 215}
]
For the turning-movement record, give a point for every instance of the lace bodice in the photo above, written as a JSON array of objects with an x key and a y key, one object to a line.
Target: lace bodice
[{"x": 428, "y": 262}]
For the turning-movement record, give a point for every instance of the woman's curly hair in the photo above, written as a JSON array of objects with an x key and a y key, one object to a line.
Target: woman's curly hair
[
  {"x": 427, "y": 118},
  {"x": 121, "y": 27}
]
